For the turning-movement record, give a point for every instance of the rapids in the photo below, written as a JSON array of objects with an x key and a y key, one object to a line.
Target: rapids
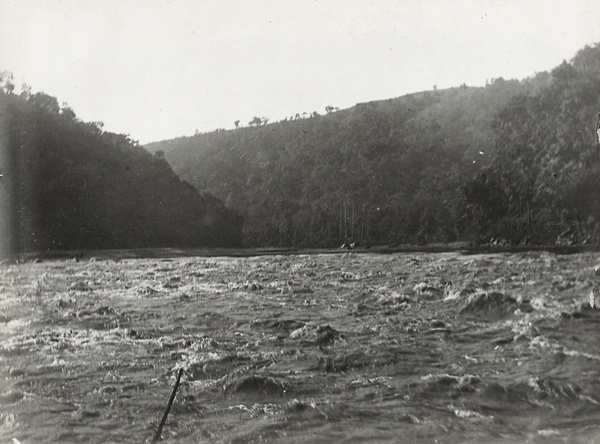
[{"x": 321, "y": 348}]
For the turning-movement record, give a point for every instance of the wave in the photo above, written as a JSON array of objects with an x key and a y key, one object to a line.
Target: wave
[
  {"x": 256, "y": 388},
  {"x": 343, "y": 362},
  {"x": 380, "y": 300},
  {"x": 500, "y": 397},
  {"x": 493, "y": 305},
  {"x": 581, "y": 310},
  {"x": 534, "y": 393},
  {"x": 319, "y": 334},
  {"x": 453, "y": 386}
]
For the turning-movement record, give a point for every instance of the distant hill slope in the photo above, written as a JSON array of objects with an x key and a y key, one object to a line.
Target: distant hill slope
[
  {"x": 75, "y": 186},
  {"x": 402, "y": 170}
]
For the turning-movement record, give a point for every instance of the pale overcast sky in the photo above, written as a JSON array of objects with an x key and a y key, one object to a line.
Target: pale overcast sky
[{"x": 158, "y": 69}]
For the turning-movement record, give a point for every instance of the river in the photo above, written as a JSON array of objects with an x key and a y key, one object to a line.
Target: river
[{"x": 310, "y": 348}]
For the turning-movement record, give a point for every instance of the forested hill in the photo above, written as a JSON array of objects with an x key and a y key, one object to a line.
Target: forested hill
[
  {"x": 75, "y": 186},
  {"x": 514, "y": 160}
]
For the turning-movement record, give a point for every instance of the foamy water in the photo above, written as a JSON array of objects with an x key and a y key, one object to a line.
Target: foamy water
[{"x": 307, "y": 348}]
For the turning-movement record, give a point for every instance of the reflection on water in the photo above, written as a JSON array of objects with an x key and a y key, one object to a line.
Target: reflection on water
[{"x": 309, "y": 348}]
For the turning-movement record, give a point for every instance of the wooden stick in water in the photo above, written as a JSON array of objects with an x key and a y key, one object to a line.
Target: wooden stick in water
[{"x": 164, "y": 418}]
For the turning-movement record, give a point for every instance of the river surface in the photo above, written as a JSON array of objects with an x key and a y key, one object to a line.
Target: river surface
[{"x": 315, "y": 348}]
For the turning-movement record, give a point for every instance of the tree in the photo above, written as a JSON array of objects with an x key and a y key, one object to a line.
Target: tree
[
  {"x": 6, "y": 82},
  {"x": 256, "y": 121},
  {"x": 25, "y": 91},
  {"x": 68, "y": 112},
  {"x": 45, "y": 102}
]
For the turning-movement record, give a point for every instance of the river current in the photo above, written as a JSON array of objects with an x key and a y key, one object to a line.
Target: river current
[{"x": 313, "y": 348}]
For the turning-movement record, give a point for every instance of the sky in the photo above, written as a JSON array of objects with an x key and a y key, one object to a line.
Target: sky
[{"x": 158, "y": 69}]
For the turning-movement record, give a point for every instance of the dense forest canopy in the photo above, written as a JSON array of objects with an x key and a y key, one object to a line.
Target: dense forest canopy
[
  {"x": 514, "y": 161},
  {"x": 75, "y": 186}
]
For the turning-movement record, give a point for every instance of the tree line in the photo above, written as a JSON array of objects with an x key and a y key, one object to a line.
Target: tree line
[
  {"x": 512, "y": 162},
  {"x": 542, "y": 185},
  {"x": 75, "y": 186}
]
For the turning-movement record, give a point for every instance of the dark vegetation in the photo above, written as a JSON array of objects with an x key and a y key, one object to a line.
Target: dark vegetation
[
  {"x": 74, "y": 186},
  {"x": 514, "y": 162}
]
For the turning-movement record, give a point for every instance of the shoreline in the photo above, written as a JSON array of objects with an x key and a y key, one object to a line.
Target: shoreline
[{"x": 165, "y": 252}]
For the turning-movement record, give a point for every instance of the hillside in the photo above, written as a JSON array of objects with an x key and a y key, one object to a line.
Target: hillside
[
  {"x": 75, "y": 186},
  {"x": 412, "y": 169}
]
